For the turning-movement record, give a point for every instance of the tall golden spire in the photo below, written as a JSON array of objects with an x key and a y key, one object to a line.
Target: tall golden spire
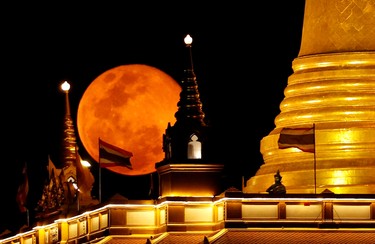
[
  {"x": 332, "y": 88},
  {"x": 69, "y": 138},
  {"x": 75, "y": 173}
]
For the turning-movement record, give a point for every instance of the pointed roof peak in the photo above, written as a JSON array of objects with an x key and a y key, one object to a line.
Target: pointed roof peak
[
  {"x": 189, "y": 105},
  {"x": 188, "y": 41}
]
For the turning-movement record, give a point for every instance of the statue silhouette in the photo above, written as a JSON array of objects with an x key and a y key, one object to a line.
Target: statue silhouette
[{"x": 277, "y": 187}]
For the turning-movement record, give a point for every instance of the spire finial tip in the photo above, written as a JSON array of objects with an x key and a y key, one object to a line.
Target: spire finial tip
[{"x": 188, "y": 40}]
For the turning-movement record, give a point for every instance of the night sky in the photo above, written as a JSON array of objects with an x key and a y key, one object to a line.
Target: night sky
[{"x": 242, "y": 59}]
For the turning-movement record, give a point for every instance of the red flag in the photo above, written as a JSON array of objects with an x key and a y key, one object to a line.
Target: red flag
[
  {"x": 23, "y": 190},
  {"x": 110, "y": 155},
  {"x": 299, "y": 137}
]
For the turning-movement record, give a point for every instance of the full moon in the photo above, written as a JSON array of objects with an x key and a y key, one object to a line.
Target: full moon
[{"x": 129, "y": 106}]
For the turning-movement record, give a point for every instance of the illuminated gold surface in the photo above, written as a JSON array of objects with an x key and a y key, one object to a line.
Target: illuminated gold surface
[
  {"x": 338, "y": 26},
  {"x": 333, "y": 87},
  {"x": 185, "y": 180}
]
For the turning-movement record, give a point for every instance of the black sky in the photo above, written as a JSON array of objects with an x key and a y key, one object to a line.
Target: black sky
[{"x": 242, "y": 55}]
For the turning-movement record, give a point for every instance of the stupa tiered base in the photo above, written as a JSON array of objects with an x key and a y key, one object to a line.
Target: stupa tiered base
[{"x": 336, "y": 93}]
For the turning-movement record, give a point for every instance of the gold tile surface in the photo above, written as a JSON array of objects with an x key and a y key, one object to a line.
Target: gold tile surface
[{"x": 333, "y": 89}]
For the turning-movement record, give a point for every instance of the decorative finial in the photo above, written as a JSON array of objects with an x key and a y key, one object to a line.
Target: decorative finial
[
  {"x": 188, "y": 40},
  {"x": 65, "y": 86}
]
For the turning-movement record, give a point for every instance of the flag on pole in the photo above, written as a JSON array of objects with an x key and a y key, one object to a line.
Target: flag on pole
[
  {"x": 299, "y": 137},
  {"x": 110, "y": 155},
  {"x": 23, "y": 190}
]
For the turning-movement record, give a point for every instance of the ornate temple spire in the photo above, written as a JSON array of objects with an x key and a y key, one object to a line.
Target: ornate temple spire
[
  {"x": 187, "y": 146},
  {"x": 190, "y": 126},
  {"x": 69, "y": 137},
  {"x": 61, "y": 189},
  {"x": 71, "y": 184},
  {"x": 75, "y": 173},
  {"x": 189, "y": 105}
]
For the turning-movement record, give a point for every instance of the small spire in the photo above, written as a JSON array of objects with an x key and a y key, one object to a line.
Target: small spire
[
  {"x": 188, "y": 41},
  {"x": 65, "y": 87},
  {"x": 69, "y": 137},
  {"x": 189, "y": 105}
]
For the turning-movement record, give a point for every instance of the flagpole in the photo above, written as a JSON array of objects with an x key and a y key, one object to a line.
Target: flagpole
[
  {"x": 314, "y": 159},
  {"x": 100, "y": 183},
  {"x": 78, "y": 162},
  {"x": 27, "y": 218},
  {"x": 100, "y": 176}
]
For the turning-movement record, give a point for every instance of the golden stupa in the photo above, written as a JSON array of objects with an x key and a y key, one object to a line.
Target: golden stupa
[{"x": 332, "y": 88}]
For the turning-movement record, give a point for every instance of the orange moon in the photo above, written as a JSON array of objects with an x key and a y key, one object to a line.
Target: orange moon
[{"x": 129, "y": 106}]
